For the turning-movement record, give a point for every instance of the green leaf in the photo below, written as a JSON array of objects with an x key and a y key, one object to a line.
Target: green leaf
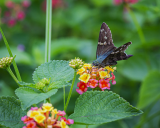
[
  {"x": 29, "y": 96},
  {"x": 95, "y": 107},
  {"x": 149, "y": 91},
  {"x": 11, "y": 112},
  {"x": 58, "y": 71},
  {"x": 27, "y": 84}
]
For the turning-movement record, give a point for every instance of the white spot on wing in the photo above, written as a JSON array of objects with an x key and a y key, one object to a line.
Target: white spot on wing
[
  {"x": 105, "y": 43},
  {"x": 102, "y": 30},
  {"x": 105, "y": 37}
]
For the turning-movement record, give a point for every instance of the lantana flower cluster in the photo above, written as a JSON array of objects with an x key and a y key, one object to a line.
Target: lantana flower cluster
[
  {"x": 46, "y": 117},
  {"x": 15, "y": 12},
  {"x": 94, "y": 77}
]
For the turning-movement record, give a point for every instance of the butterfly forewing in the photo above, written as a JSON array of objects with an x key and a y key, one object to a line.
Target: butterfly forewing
[{"x": 105, "y": 42}]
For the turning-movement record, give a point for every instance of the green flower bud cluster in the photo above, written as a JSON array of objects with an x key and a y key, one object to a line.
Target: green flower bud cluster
[
  {"x": 76, "y": 63},
  {"x": 42, "y": 83},
  {"x": 6, "y": 62}
]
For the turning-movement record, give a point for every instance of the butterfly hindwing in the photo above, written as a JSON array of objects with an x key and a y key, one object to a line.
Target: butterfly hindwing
[{"x": 119, "y": 53}]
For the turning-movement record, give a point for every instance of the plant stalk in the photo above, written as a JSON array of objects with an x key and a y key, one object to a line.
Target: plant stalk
[
  {"x": 138, "y": 27},
  {"x": 12, "y": 74},
  {"x": 70, "y": 92},
  {"x": 11, "y": 55},
  {"x": 48, "y": 30},
  {"x": 64, "y": 96}
]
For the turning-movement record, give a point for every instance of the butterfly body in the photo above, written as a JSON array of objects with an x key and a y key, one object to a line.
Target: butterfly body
[{"x": 107, "y": 54}]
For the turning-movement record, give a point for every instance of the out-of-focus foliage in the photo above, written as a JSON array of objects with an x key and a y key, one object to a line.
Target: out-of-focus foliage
[{"x": 75, "y": 32}]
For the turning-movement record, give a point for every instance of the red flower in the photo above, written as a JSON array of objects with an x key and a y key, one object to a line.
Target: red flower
[
  {"x": 104, "y": 84},
  {"x": 92, "y": 83},
  {"x": 82, "y": 87},
  {"x": 68, "y": 121},
  {"x": 31, "y": 125},
  {"x": 26, "y": 119}
]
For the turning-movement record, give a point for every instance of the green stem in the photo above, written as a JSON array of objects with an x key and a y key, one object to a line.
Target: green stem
[
  {"x": 48, "y": 30},
  {"x": 11, "y": 55},
  {"x": 70, "y": 92},
  {"x": 64, "y": 96},
  {"x": 138, "y": 27},
  {"x": 86, "y": 126},
  {"x": 12, "y": 74}
]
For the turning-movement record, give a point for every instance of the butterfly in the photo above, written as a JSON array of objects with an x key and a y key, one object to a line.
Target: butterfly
[{"x": 107, "y": 54}]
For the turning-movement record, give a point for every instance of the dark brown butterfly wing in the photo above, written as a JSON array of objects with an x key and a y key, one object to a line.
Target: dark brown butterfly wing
[{"x": 105, "y": 42}]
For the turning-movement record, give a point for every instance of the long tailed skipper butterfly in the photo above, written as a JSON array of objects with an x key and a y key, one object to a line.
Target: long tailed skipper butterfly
[{"x": 107, "y": 54}]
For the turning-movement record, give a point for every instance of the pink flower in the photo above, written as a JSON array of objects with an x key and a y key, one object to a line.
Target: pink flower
[
  {"x": 131, "y": 1},
  {"x": 7, "y": 14},
  {"x": 117, "y": 2},
  {"x": 61, "y": 113},
  {"x": 26, "y": 3},
  {"x": 92, "y": 83},
  {"x": 113, "y": 77},
  {"x": 20, "y": 15},
  {"x": 82, "y": 87},
  {"x": 9, "y": 4},
  {"x": 104, "y": 84},
  {"x": 34, "y": 108},
  {"x": 11, "y": 22},
  {"x": 68, "y": 121}
]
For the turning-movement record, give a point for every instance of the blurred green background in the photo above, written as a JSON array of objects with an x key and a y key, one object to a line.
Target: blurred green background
[{"x": 75, "y": 31}]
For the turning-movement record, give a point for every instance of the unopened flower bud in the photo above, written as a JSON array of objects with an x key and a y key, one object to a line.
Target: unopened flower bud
[
  {"x": 45, "y": 81},
  {"x": 40, "y": 85},
  {"x": 6, "y": 62},
  {"x": 76, "y": 63}
]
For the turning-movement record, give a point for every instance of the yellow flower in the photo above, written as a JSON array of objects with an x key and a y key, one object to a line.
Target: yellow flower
[
  {"x": 42, "y": 111},
  {"x": 85, "y": 77},
  {"x": 104, "y": 74},
  {"x": 55, "y": 111},
  {"x": 33, "y": 113},
  {"x": 110, "y": 69},
  {"x": 89, "y": 66},
  {"x": 63, "y": 124},
  {"x": 80, "y": 71},
  {"x": 39, "y": 118},
  {"x": 47, "y": 107}
]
